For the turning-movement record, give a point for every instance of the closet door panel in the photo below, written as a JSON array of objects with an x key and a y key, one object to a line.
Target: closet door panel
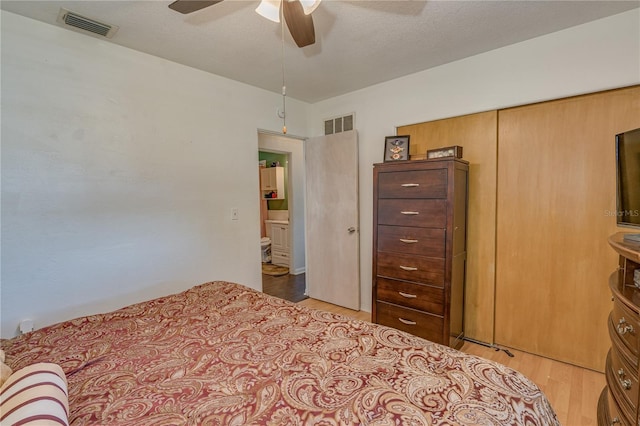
[
  {"x": 477, "y": 134},
  {"x": 555, "y": 203}
]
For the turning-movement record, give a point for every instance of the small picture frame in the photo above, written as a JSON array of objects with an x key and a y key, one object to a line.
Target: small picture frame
[
  {"x": 448, "y": 151},
  {"x": 396, "y": 148}
]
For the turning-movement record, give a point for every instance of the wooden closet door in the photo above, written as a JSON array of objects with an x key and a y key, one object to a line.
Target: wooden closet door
[
  {"x": 477, "y": 134},
  {"x": 555, "y": 204}
]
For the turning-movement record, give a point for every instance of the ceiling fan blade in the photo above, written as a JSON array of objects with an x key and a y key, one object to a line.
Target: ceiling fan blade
[
  {"x": 188, "y": 6},
  {"x": 300, "y": 25}
]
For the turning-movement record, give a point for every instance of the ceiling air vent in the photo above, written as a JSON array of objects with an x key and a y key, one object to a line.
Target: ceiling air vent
[
  {"x": 338, "y": 124},
  {"x": 85, "y": 24}
]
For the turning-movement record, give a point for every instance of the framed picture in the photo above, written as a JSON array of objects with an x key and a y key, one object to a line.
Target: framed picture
[
  {"x": 396, "y": 148},
  {"x": 449, "y": 151}
]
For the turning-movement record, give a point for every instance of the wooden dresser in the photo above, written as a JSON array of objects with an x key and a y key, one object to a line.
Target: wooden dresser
[
  {"x": 419, "y": 247},
  {"x": 618, "y": 404}
]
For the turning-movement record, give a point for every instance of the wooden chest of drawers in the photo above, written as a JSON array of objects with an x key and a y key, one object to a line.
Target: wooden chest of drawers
[
  {"x": 419, "y": 247},
  {"x": 618, "y": 403}
]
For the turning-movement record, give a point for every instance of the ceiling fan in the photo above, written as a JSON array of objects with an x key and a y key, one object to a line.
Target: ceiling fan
[{"x": 297, "y": 15}]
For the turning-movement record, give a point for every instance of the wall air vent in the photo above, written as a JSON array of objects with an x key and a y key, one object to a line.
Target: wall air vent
[
  {"x": 85, "y": 24},
  {"x": 338, "y": 124}
]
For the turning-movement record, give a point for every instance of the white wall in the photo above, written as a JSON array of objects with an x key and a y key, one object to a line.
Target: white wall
[
  {"x": 119, "y": 170},
  {"x": 600, "y": 55},
  {"x": 295, "y": 147}
]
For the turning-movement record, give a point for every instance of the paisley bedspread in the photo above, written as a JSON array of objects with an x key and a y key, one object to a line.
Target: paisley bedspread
[{"x": 223, "y": 354}]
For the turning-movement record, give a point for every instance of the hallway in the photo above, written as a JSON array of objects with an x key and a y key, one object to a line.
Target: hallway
[{"x": 288, "y": 287}]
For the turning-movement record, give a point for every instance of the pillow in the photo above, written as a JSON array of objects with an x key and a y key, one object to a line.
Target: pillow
[
  {"x": 36, "y": 395},
  {"x": 5, "y": 370}
]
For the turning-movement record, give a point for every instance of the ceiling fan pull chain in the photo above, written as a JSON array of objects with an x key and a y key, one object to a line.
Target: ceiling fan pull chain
[{"x": 284, "y": 88}]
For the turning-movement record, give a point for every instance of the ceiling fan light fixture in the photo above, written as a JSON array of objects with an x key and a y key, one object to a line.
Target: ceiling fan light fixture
[
  {"x": 309, "y": 6},
  {"x": 269, "y": 9}
]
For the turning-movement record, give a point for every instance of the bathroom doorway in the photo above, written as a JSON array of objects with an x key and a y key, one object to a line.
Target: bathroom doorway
[{"x": 282, "y": 224}]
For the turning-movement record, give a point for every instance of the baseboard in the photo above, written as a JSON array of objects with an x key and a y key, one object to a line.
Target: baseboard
[{"x": 298, "y": 271}]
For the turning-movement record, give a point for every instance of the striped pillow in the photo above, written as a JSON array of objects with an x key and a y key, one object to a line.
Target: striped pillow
[{"x": 35, "y": 395}]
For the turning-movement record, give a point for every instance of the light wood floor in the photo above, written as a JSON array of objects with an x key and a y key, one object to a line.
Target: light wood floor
[{"x": 572, "y": 391}]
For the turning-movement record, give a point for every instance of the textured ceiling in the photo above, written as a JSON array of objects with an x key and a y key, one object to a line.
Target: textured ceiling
[{"x": 358, "y": 43}]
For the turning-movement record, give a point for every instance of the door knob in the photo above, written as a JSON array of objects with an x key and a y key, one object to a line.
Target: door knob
[{"x": 351, "y": 230}]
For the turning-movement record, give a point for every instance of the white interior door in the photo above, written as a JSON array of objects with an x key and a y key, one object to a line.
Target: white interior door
[{"x": 333, "y": 237}]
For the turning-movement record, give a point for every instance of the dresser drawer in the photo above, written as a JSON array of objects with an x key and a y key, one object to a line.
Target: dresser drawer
[
  {"x": 416, "y": 296},
  {"x": 415, "y": 322},
  {"x": 408, "y": 212},
  {"x": 615, "y": 416},
  {"x": 413, "y": 184},
  {"x": 622, "y": 381},
  {"x": 427, "y": 270},
  {"x": 626, "y": 325},
  {"x": 620, "y": 344},
  {"x": 609, "y": 413},
  {"x": 280, "y": 258},
  {"x": 421, "y": 241}
]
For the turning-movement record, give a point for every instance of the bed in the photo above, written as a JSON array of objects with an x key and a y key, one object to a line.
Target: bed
[{"x": 224, "y": 354}]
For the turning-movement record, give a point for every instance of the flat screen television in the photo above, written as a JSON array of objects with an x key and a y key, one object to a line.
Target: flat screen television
[{"x": 628, "y": 176}]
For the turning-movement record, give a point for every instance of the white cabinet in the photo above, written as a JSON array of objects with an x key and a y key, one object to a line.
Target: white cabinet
[
  {"x": 280, "y": 244},
  {"x": 272, "y": 183}
]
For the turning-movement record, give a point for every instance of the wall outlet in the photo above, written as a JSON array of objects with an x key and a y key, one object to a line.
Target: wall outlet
[{"x": 234, "y": 213}]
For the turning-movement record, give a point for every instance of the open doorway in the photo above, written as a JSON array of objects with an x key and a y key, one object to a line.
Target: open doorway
[{"x": 282, "y": 227}]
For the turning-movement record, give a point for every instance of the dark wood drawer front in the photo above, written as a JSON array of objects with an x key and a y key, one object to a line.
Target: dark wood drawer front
[
  {"x": 405, "y": 212},
  {"x": 620, "y": 344},
  {"x": 625, "y": 323},
  {"x": 413, "y": 184},
  {"x": 417, "y": 323},
  {"x": 421, "y": 241},
  {"x": 416, "y": 296},
  {"x": 615, "y": 413},
  {"x": 428, "y": 270},
  {"x": 622, "y": 382}
]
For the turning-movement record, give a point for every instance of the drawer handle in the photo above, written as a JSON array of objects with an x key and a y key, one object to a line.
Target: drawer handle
[
  {"x": 407, "y": 241},
  {"x": 407, "y": 295},
  {"x": 626, "y": 383},
  {"x": 410, "y": 213},
  {"x": 404, "y": 321},
  {"x": 624, "y": 329},
  {"x": 408, "y": 268},
  {"x": 410, "y": 185}
]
